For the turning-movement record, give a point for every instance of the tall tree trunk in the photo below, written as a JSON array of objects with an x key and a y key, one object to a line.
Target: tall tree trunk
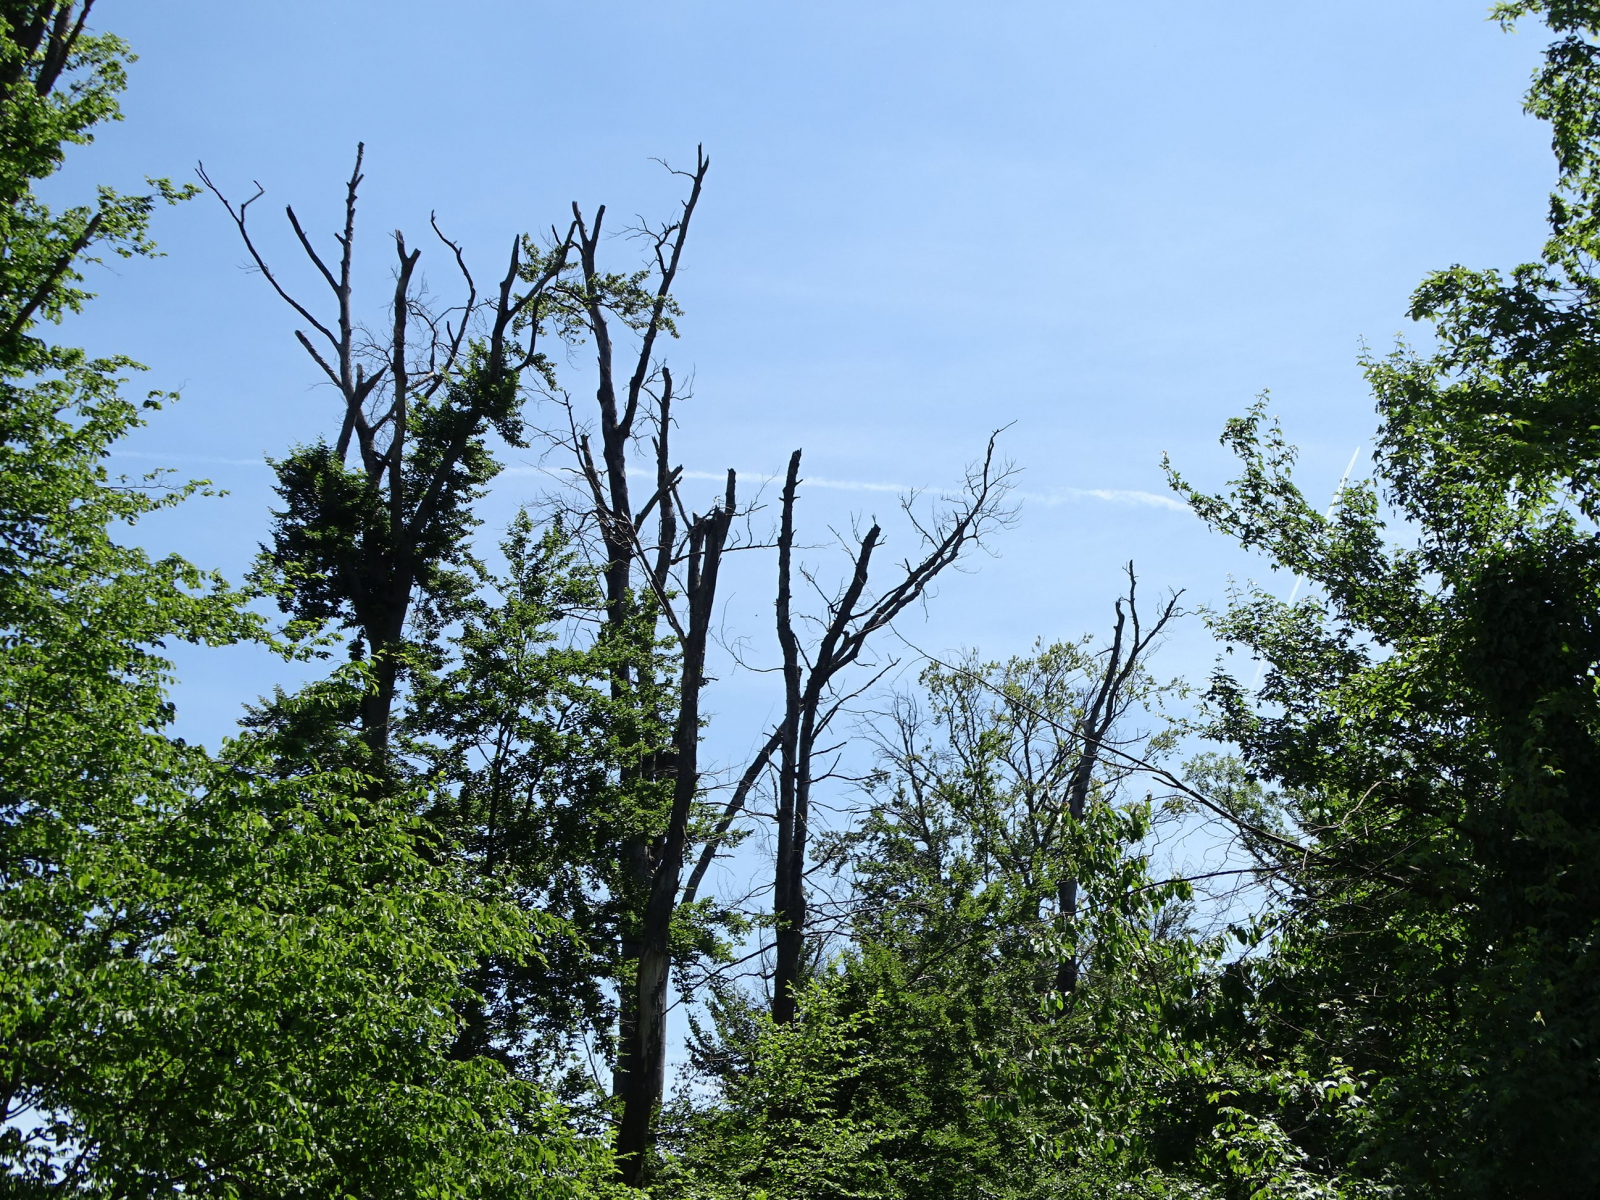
[
  {"x": 646, "y": 1072},
  {"x": 788, "y": 890}
]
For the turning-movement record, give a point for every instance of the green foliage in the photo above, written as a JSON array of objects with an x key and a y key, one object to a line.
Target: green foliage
[
  {"x": 231, "y": 976},
  {"x": 337, "y": 548},
  {"x": 933, "y": 1058},
  {"x": 1431, "y": 720},
  {"x": 248, "y": 985},
  {"x": 785, "y": 1129},
  {"x": 56, "y": 85},
  {"x": 331, "y": 963},
  {"x": 212, "y": 976},
  {"x": 537, "y": 754}
]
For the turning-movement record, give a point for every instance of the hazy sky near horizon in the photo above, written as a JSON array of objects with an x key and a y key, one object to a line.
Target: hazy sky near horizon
[{"x": 1105, "y": 226}]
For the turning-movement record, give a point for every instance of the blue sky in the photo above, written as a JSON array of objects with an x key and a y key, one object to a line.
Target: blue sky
[{"x": 1109, "y": 226}]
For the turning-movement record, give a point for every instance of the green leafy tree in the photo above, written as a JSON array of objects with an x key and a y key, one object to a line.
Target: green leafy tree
[
  {"x": 936, "y": 1056},
  {"x": 1429, "y": 722},
  {"x": 229, "y": 976}
]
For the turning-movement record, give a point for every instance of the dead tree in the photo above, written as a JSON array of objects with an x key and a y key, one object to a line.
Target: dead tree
[
  {"x": 1107, "y": 704},
  {"x": 850, "y": 617},
  {"x": 707, "y": 539},
  {"x": 659, "y": 563},
  {"x": 373, "y": 519}
]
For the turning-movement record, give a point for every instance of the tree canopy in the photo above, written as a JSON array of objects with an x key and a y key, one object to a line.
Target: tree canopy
[{"x": 442, "y": 922}]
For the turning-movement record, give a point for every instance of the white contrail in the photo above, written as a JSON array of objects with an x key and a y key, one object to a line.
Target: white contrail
[
  {"x": 1055, "y": 496},
  {"x": 1066, "y": 495},
  {"x": 1050, "y": 499}
]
